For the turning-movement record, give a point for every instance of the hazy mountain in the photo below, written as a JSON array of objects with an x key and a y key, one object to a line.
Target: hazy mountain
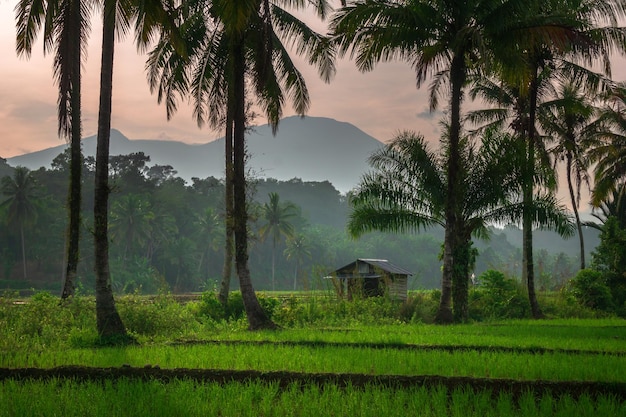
[{"x": 310, "y": 148}]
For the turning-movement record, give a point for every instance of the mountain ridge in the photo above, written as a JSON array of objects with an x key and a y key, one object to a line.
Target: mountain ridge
[{"x": 309, "y": 148}]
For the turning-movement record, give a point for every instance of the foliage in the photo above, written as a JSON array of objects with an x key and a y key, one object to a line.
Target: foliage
[
  {"x": 610, "y": 259},
  {"x": 589, "y": 288},
  {"x": 497, "y": 297},
  {"x": 158, "y": 316},
  {"x": 210, "y": 307},
  {"x": 157, "y": 399}
]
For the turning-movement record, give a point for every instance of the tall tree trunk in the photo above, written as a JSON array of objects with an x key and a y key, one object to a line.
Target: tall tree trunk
[
  {"x": 457, "y": 76},
  {"x": 257, "y": 319},
  {"x": 576, "y": 214},
  {"x": 74, "y": 194},
  {"x": 295, "y": 276},
  {"x": 109, "y": 322},
  {"x": 460, "y": 285},
  {"x": 527, "y": 222},
  {"x": 23, "y": 249},
  {"x": 273, "y": 265},
  {"x": 229, "y": 243}
]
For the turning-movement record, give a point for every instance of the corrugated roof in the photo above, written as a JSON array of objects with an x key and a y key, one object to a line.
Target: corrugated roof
[
  {"x": 383, "y": 264},
  {"x": 386, "y": 266}
]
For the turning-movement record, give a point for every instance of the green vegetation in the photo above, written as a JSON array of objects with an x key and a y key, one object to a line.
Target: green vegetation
[
  {"x": 154, "y": 398},
  {"x": 358, "y": 357}
]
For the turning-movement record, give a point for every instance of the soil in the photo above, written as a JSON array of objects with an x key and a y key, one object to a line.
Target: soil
[
  {"x": 284, "y": 379},
  {"x": 408, "y": 346}
]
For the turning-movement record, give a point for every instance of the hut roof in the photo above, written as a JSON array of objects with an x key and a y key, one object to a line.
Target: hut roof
[{"x": 382, "y": 264}]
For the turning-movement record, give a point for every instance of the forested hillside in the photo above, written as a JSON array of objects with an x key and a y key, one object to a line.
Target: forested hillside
[{"x": 168, "y": 234}]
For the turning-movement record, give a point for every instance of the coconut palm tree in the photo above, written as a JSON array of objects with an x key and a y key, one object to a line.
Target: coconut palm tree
[
  {"x": 610, "y": 154},
  {"x": 444, "y": 40},
  {"x": 233, "y": 45},
  {"x": 117, "y": 16},
  {"x": 20, "y": 193},
  {"x": 129, "y": 224},
  {"x": 66, "y": 25},
  {"x": 277, "y": 224},
  {"x": 297, "y": 249},
  {"x": 570, "y": 119},
  {"x": 209, "y": 228},
  {"x": 407, "y": 191}
]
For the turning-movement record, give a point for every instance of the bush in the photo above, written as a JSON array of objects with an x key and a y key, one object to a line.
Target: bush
[
  {"x": 590, "y": 290},
  {"x": 211, "y": 307},
  {"x": 161, "y": 316},
  {"x": 498, "y": 297}
]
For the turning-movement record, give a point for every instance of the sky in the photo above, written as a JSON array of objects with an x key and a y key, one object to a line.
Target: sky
[{"x": 381, "y": 103}]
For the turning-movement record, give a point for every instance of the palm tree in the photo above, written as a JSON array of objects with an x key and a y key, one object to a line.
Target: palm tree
[
  {"x": 129, "y": 223},
  {"x": 445, "y": 39},
  {"x": 529, "y": 79},
  {"x": 20, "y": 192},
  {"x": 610, "y": 154},
  {"x": 231, "y": 45},
  {"x": 208, "y": 227},
  {"x": 116, "y": 15},
  {"x": 297, "y": 249},
  {"x": 570, "y": 119},
  {"x": 407, "y": 191},
  {"x": 613, "y": 205},
  {"x": 511, "y": 102},
  {"x": 66, "y": 28},
  {"x": 277, "y": 225}
]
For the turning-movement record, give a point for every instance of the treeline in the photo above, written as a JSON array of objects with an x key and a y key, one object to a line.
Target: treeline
[{"x": 167, "y": 234}]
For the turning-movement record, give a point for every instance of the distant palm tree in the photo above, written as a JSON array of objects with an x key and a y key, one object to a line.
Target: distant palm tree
[
  {"x": 209, "y": 229},
  {"x": 20, "y": 193},
  {"x": 277, "y": 216},
  {"x": 66, "y": 27},
  {"x": 298, "y": 250},
  {"x": 129, "y": 224},
  {"x": 610, "y": 154},
  {"x": 570, "y": 119}
]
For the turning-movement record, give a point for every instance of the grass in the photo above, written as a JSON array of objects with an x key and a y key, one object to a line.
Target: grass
[
  {"x": 322, "y": 359},
  {"x": 41, "y": 334},
  {"x": 153, "y": 398}
]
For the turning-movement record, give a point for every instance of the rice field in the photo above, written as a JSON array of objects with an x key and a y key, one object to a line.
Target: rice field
[{"x": 510, "y": 368}]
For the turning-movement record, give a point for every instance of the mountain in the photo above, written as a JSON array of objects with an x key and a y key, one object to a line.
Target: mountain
[{"x": 310, "y": 148}]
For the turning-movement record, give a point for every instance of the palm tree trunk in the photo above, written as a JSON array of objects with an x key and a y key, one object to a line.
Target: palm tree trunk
[
  {"x": 460, "y": 283},
  {"x": 76, "y": 164},
  {"x": 576, "y": 214},
  {"x": 273, "y": 265},
  {"x": 257, "y": 319},
  {"x": 109, "y": 322},
  {"x": 527, "y": 222},
  {"x": 457, "y": 76},
  {"x": 23, "y": 250},
  {"x": 229, "y": 243},
  {"x": 295, "y": 276}
]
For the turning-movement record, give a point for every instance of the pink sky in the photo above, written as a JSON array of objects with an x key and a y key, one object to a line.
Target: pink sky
[{"x": 380, "y": 103}]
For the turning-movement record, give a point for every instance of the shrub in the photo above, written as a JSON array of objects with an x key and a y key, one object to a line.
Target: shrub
[
  {"x": 211, "y": 307},
  {"x": 498, "y": 297},
  {"x": 161, "y": 316},
  {"x": 590, "y": 290}
]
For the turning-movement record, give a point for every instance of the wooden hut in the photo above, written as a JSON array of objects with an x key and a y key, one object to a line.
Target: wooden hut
[{"x": 371, "y": 278}]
